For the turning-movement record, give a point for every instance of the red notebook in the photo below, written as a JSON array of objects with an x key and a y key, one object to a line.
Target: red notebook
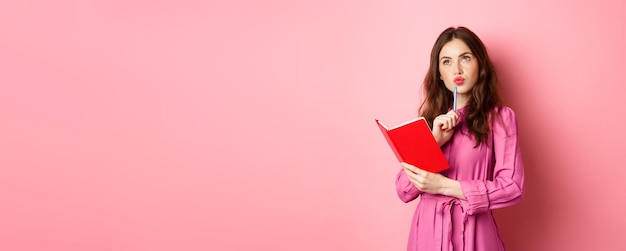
[{"x": 413, "y": 143}]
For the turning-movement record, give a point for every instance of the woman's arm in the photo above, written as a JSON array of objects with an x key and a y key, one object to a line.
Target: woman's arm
[
  {"x": 507, "y": 186},
  {"x": 505, "y": 189},
  {"x": 405, "y": 188}
]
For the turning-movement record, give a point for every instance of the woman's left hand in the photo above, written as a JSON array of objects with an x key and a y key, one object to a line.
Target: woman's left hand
[
  {"x": 432, "y": 183},
  {"x": 424, "y": 180}
]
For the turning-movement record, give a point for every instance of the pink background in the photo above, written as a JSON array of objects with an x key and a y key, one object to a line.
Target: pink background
[{"x": 249, "y": 125}]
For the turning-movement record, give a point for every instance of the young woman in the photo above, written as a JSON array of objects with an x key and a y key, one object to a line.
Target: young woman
[{"x": 480, "y": 142}]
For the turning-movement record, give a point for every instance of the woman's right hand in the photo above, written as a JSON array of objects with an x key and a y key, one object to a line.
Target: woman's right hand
[{"x": 443, "y": 126}]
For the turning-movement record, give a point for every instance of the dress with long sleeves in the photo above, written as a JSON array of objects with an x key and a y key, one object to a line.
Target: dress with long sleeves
[{"x": 491, "y": 176}]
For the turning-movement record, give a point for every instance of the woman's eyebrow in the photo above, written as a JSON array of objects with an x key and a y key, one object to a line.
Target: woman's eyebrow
[{"x": 462, "y": 54}]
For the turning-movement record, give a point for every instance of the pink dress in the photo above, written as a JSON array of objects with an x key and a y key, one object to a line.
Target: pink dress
[{"x": 490, "y": 177}]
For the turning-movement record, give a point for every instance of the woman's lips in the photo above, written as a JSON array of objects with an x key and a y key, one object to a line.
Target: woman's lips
[{"x": 459, "y": 80}]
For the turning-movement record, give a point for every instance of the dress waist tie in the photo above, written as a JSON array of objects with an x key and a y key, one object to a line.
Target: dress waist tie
[{"x": 443, "y": 231}]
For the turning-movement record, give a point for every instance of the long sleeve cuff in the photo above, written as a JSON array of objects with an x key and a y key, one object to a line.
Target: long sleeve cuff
[
  {"x": 475, "y": 193},
  {"x": 405, "y": 189}
]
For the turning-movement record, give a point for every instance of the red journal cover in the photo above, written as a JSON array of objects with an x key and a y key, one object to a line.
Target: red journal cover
[{"x": 413, "y": 143}]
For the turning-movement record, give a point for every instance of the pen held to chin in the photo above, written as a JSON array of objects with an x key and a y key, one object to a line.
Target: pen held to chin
[{"x": 454, "y": 104}]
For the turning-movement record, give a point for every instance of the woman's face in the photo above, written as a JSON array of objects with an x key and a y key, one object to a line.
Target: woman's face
[{"x": 458, "y": 66}]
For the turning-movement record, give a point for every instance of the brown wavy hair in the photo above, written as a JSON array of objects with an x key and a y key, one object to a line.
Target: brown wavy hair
[{"x": 485, "y": 101}]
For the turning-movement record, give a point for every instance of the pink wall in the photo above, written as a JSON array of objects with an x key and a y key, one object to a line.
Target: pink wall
[{"x": 249, "y": 125}]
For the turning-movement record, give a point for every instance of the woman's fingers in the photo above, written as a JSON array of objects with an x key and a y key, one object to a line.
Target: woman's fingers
[
  {"x": 416, "y": 179},
  {"x": 443, "y": 126},
  {"x": 445, "y": 121},
  {"x": 413, "y": 168},
  {"x": 442, "y": 122},
  {"x": 453, "y": 113},
  {"x": 407, "y": 166},
  {"x": 424, "y": 181},
  {"x": 452, "y": 117}
]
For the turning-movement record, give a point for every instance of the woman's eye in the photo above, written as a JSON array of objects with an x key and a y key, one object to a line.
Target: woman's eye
[
  {"x": 467, "y": 58},
  {"x": 446, "y": 62}
]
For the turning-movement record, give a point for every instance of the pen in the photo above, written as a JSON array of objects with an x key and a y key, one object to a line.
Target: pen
[{"x": 455, "y": 98}]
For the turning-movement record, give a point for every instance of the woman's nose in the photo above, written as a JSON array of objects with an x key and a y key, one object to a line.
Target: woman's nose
[{"x": 457, "y": 70}]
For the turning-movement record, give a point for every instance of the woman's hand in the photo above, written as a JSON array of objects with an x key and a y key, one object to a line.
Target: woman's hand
[
  {"x": 432, "y": 183},
  {"x": 443, "y": 126}
]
